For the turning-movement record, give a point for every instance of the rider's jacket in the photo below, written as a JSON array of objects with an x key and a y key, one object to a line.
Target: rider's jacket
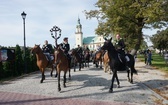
[
  {"x": 65, "y": 47},
  {"x": 119, "y": 44},
  {"x": 47, "y": 48}
]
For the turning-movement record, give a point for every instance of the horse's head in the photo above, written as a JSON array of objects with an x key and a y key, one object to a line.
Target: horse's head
[
  {"x": 108, "y": 45},
  {"x": 73, "y": 51},
  {"x": 36, "y": 49}
]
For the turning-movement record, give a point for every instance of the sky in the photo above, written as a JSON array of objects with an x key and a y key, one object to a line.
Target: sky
[{"x": 41, "y": 16}]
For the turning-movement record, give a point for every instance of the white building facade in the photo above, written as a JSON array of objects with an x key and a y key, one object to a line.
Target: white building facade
[{"x": 91, "y": 42}]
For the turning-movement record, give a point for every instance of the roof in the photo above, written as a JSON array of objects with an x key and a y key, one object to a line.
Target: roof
[{"x": 90, "y": 39}]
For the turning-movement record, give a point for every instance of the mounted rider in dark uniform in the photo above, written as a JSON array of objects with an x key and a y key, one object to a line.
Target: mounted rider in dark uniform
[
  {"x": 48, "y": 50},
  {"x": 66, "y": 47},
  {"x": 80, "y": 51},
  {"x": 120, "y": 47}
]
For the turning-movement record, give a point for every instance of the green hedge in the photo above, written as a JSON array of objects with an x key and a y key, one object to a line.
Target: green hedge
[{"x": 10, "y": 69}]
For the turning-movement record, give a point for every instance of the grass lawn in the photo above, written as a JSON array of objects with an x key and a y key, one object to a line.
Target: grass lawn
[{"x": 157, "y": 62}]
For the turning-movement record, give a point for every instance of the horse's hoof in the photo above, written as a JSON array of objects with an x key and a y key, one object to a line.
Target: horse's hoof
[
  {"x": 129, "y": 80},
  {"x": 41, "y": 81},
  {"x": 64, "y": 86},
  {"x": 59, "y": 89},
  {"x": 110, "y": 91},
  {"x": 118, "y": 86}
]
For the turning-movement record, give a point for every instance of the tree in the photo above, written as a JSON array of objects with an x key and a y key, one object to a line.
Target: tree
[
  {"x": 160, "y": 40},
  {"x": 18, "y": 60},
  {"x": 129, "y": 17}
]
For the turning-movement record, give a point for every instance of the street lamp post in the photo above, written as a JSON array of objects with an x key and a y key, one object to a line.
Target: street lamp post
[
  {"x": 24, "y": 17},
  {"x": 55, "y": 29}
]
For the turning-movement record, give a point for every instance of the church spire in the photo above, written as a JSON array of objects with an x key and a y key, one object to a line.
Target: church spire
[{"x": 78, "y": 26}]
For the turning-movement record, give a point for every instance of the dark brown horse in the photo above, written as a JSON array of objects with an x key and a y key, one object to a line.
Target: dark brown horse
[
  {"x": 98, "y": 58},
  {"x": 86, "y": 58},
  {"x": 62, "y": 64},
  {"x": 116, "y": 64},
  {"x": 76, "y": 59},
  {"x": 42, "y": 61}
]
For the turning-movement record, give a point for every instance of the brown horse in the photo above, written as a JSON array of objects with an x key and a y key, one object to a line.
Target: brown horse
[
  {"x": 62, "y": 64},
  {"x": 98, "y": 58},
  {"x": 42, "y": 61},
  {"x": 106, "y": 63}
]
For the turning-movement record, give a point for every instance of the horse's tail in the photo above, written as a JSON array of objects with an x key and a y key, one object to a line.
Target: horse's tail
[
  {"x": 132, "y": 63},
  {"x": 134, "y": 70}
]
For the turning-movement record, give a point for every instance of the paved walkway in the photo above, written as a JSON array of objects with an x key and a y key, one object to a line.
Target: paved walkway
[{"x": 87, "y": 87}]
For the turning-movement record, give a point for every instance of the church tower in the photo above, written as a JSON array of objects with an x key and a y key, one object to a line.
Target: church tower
[{"x": 79, "y": 34}]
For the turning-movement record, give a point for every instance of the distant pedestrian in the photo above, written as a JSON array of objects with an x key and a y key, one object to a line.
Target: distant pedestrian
[
  {"x": 149, "y": 57},
  {"x": 145, "y": 56},
  {"x": 166, "y": 57}
]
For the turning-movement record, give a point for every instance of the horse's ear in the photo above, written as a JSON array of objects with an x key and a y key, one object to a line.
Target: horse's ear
[
  {"x": 111, "y": 38},
  {"x": 105, "y": 38}
]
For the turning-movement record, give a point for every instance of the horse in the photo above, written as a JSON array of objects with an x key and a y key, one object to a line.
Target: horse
[
  {"x": 106, "y": 63},
  {"x": 98, "y": 58},
  {"x": 116, "y": 64},
  {"x": 76, "y": 59},
  {"x": 62, "y": 64},
  {"x": 42, "y": 61},
  {"x": 86, "y": 58}
]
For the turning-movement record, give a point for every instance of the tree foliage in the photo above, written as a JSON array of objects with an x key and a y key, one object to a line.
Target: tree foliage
[
  {"x": 129, "y": 17},
  {"x": 160, "y": 40}
]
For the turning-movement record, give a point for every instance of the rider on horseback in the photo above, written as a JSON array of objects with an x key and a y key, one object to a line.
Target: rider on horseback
[
  {"x": 80, "y": 51},
  {"x": 47, "y": 50},
  {"x": 94, "y": 55},
  {"x": 65, "y": 47},
  {"x": 120, "y": 46}
]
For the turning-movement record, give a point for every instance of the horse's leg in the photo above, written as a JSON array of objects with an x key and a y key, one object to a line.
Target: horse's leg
[
  {"x": 80, "y": 66},
  {"x": 69, "y": 73},
  {"x": 52, "y": 68},
  {"x": 97, "y": 64},
  {"x": 64, "y": 78},
  {"x": 101, "y": 64},
  {"x": 59, "y": 87},
  {"x": 74, "y": 66},
  {"x": 132, "y": 71},
  {"x": 112, "y": 81},
  {"x": 43, "y": 76},
  {"x": 128, "y": 72},
  {"x": 56, "y": 71},
  {"x": 118, "y": 82},
  {"x": 108, "y": 68},
  {"x": 69, "y": 69}
]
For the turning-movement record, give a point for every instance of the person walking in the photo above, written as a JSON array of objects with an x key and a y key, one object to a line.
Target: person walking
[
  {"x": 149, "y": 57},
  {"x": 166, "y": 57}
]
